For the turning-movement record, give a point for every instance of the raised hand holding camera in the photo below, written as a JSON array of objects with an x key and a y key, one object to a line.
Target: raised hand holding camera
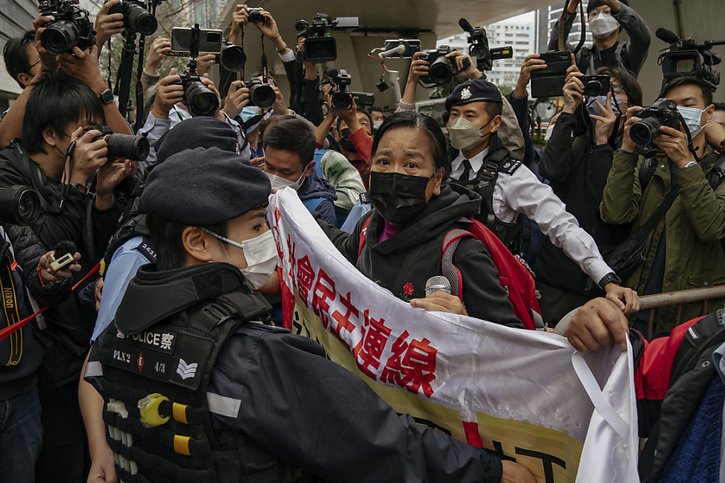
[
  {"x": 237, "y": 99},
  {"x": 108, "y": 23},
  {"x": 70, "y": 27}
]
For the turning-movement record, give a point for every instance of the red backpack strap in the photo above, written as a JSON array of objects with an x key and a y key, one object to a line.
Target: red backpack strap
[
  {"x": 448, "y": 269},
  {"x": 363, "y": 233}
]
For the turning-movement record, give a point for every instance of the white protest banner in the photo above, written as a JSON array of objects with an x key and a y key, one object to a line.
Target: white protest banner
[{"x": 525, "y": 395}]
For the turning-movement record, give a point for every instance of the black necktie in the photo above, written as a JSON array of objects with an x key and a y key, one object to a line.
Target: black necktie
[{"x": 466, "y": 170}]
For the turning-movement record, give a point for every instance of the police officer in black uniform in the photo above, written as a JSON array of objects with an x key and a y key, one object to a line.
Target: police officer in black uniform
[{"x": 198, "y": 388}]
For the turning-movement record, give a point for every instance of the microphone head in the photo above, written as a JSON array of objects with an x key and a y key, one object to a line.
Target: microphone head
[
  {"x": 438, "y": 283},
  {"x": 667, "y": 35},
  {"x": 63, "y": 248},
  {"x": 465, "y": 24}
]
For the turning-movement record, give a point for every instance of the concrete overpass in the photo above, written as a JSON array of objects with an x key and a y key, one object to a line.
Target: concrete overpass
[{"x": 432, "y": 19}]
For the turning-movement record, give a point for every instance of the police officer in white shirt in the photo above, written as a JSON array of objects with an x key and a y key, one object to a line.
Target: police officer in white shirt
[{"x": 508, "y": 188}]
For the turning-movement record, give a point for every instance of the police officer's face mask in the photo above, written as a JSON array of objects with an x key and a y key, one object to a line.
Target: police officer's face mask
[
  {"x": 465, "y": 134},
  {"x": 261, "y": 255},
  {"x": 602, "y": 25}
]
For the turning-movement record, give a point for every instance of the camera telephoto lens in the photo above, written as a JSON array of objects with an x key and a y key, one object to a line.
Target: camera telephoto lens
[
  {"x": 141, "y": 20},
  {"x": 342, "y": 101},
  {"x": 645, "y": 131},
  {"x": 200, "y": 99},
  {"x": 233, "y": 58},
  {"x": 59, "y": 37},
  {"x": 127, "y": 146},
  {"x": 19, "y": 205},
  {"x": 262, "y": 95},
  {"x": 441, "y": 71}
]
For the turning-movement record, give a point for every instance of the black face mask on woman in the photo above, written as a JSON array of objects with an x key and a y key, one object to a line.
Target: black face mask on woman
[{"x": 398, "y": 197}]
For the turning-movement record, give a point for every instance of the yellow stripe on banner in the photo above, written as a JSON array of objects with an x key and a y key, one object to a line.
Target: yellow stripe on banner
[
  {"x": 179, "y": 412},
  {"x": 181, "y": 444}
]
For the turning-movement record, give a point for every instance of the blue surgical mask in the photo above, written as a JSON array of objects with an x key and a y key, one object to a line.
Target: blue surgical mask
[
  {"x": 251, "y": 118},
  {"x": 692, "y": 117},
  {"x": 593, "y": 107}
]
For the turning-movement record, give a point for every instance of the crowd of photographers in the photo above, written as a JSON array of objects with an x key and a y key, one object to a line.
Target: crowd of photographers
[{"x": 624, "y": 198}]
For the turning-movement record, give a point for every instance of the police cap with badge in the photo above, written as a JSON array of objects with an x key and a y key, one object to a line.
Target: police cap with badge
[{"x": 473, "y": 91}]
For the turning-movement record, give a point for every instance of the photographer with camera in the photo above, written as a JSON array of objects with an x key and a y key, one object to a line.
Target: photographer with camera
[
  {"x": 63, "y": 162},
  {"x": 21, "y": 58},
  {"x": 673, "y": 196},
  {"x": 576, "y": 160},
  {"x": 420, "y": 68},
  {"x": 25, "y": 272},
  {"x": 607, "y": 18}
]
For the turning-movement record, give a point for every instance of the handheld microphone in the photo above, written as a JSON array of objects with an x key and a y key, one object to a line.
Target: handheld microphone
[
  {"x": 465, "y": 25},
  {"x": 667, "y": 35},
  {"x": 438, "y": 283}
]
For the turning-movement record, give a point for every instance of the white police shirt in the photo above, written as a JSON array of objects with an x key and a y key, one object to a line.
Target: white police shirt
[{"x": 522, "y": 192}]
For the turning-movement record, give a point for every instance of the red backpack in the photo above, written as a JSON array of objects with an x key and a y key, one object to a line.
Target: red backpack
[{"x": 513, "y": 274}]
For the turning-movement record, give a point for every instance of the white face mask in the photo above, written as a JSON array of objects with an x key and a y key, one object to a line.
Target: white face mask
[
  {"x": 278, "y": 182},
  {"x": 377, "y": 124},
  {"x": 602, "y": 25},
  {"x": 692, "y": 117},
  {"x": 261, "y": 255}
]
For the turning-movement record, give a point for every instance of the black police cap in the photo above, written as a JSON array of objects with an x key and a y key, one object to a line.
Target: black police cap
[
  {"x": 202, "y": 187},
  {"x": 473, "y": 91}
]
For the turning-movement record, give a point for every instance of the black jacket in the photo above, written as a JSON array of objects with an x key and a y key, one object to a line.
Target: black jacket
[
  {"x": 20, "y": 353},
  {"x": 414, "y": 254},
  {"x": 578, "y": 173},
  {"x": 68, "y": 214},
  {"x": 299, "y": 406}
]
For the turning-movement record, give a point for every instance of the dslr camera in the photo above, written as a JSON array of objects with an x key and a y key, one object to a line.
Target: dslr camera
[
  {"x": 686, "y": 58},
  {"x": 341, "y": 96},
  {"x": 596, "y": 85},
  {"x": 136, "y": 16},
  {"x": 319, "y": 44},
  {"x": 19, "y": 205},
  {"x": 441, "y": 69},
  {"x": 72, "y": 27},
  {"x": 478, "y": 47},
  {"x": 200, "y": 100},
  {"x": 254, "y": 14},
  {"x": 643, "y": 133},
  {"x": 123, "y": 146},
  {"x": 261, "y": 93}
]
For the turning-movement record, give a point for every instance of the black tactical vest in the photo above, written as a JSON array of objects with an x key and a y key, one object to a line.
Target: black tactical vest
[
  {"x": 158, "y": 412},
  {"x": 498, "y": 161}
]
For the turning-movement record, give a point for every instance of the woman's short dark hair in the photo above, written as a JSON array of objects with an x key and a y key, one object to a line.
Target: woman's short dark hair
[
  {"x": 427, "y": 126},
  {"x": 166, "y": 240},
  {"x": 57, "y": 100},
  {"x": 16, "y": 57},
  {"x": 630, "y": 84}
]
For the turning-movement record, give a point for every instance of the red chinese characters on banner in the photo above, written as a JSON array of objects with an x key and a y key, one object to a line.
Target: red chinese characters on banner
[
  {"x": 370, "y": 349},
  {"x": 344, "y": 321},
  {"x": 305, "y": 278},
  {"x": 412, "y": 365},
  {"x": 322, "y": 295}
]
